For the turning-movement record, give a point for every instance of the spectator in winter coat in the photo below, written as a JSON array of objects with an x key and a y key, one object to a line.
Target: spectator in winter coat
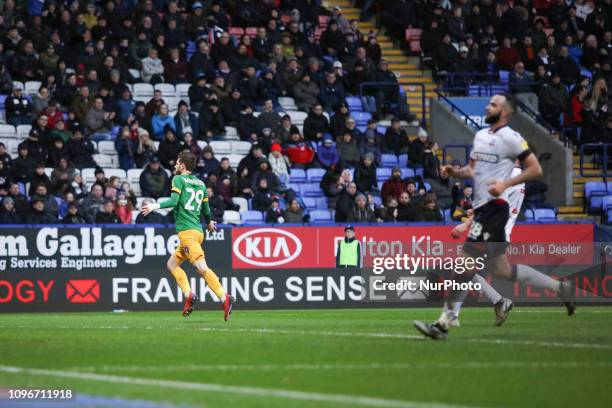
[
  {"x": 207, "y": 163},
  {"x": 98, "y": 121},
  {"x": 123, "y": 208},
  {"x": 247, "y": 124},
  {"x": 284, "y": 131},
  {"x": 361, "y": 212},
  {"x": 186, "y": 121},
  {"x": 251, "y": 161},
  {"x": 92, "y": 203},
  {"x": 125, "y": 105},
  {"x": 18, "y": 108},
  {"x": 347, "y": 148},
  {"x": 430, "y": 210},
  {"x": 280, "y": 164},
  {"x": 160, "y": 120},
  {"x": 268, "y": 118},
  {"x": 8, "y": 215},
  {"x": 263, "y": 196},
  {"x": 81, "y": 150},
  {"x": 394, "y": 186},
  {"x": 294, "y": 213},
  {"x": 338, "y": 121},
  {"x": 38, "y": 215},
  {"x": 152, "y": 68},
  {"x": 396, "y": 139},
  {"x": 169, "y": 148},
  {"x": 332, "y": 92},
  {"x": 154, "y": 217},
  {"x": 145, "y": 148},
  {"x": 300, "y": 154},
  {"x": 553, "y": 99},
  {"x": 345, "y": 203},
  {"x": 154, "y": 180},
  {"x": 370, "y": 145},
  {"x": 211, "y": 121},
  {"x": 365, "y": 174},
  {"x": 406, "y": 211},
  {"x": 107, "y": 215},
  {"x": 416, "y": 149},
  {"x": 305, "y": 93},
  {"x": 265, "y": 172},
  {"x": 327, "y": 153},
  {"x": 217, "y": 206},
  {"x": 274, "y": 214},
  {"x": 125, "y": 147},
  {"x": 316, "y": 124}
]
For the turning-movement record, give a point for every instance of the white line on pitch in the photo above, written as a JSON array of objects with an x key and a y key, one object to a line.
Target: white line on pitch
[
  {"x": 341, "y": 367},
  {"x": 351, "y": 400}
]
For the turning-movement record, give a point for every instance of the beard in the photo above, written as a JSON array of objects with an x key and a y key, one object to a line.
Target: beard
[{"x": 493, "y": 118}]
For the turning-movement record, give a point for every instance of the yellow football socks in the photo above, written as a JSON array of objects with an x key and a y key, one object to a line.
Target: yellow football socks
[
  {"x": 181, "y": 279},
  {"x": 213, "y": 282}
]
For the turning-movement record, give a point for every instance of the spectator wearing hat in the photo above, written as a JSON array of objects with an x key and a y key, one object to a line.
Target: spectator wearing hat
[
  {"x": 372, "y": 47},
  {"x": 207, "y": 163},
  {"x": 305, "y": 93},
  {"x": 185, "y": 121},
  {"x": 274, "y": 214},
  {"x": 270, "y": 87},
  {"x": 38, "y": 215},
  {"x": 370, "y": 146},
  {"x": 417, "y": 148},
  {"x": 38, "y": 177},
  {"x": 394, "y": 185},
  {"x": 286, "y": 128},
  {"x": 332, "y": 92},
  {"x": 365, "y": 174},
  {"x": 553, "y": 99},
  {"x": 361, "y": 212},
  {"x": 154, "y": 180},
  {"x": 49, "y": 59},
  {"x": 327, "y": 154},
  {"x": 139, "y": 48},
  {"x": 8, "y": 215},
  {"x": 349, "y": 254},
  {"x": 212, "y": 123},
  {"x": 263, "y": 195},
  {"x": 106, "y": 214},
  {"x": 18, "y": 108},
  {"x": 72, "y": 215},
  {"x": 278, "y": 162},
  {"x": 396, "y": 138}
]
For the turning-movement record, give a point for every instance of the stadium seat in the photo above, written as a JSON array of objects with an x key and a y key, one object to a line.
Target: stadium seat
[
  {"x": 251, "y": 32},
  {"x": 529, "y": 214},
  {"x": 88, "y": 176},
  {"x": 593, "y": 194},
  {"x": 297, "y": 176},
  {"x": 419, "y": 172},
  {"x": 354, "y": 103},
  {"x": 221, "y": 147},
  {"x": 201, "y": 144},
  {"x": 252, "y": 217},
  {"x": 320, "y": 216},
  {"x": 311, "y": 190},
  {"x": 427, "y": 186},
  {"x": 142, "y": 89},
  {"x": 115, "y": 173},
  {"x": 107, "y": 147},
  {"x": 322, "y": 203},
  {"x": 231, "y": 133},
  {"x": 297, "y": 118},
  {"x": 315, "y": 175},
  {"x": 236, "y": 32},
  {"x": 540, "y": 213},
  {"x": 182, "y": 91},
  {"x": 403, "y": 160},
  {"x": 310, "y": 203},
  {"x": 172, "y": 102},
  {"x": 240, "y": 147},
  {"x": 135, "y": 74},
  {"x": 287, "y": 103},
  {"x": 606, "y": 202},
  {"x": 383, "y": 174},
  {"x": 388, "y": 160},
  {"x": 377, "y": 200},
  {"x": 234, "y": 160},
  {"x": 407, "y": 173},
  {"x": 31, "y": 87},
  {"x": 447, "y": 215},
  {"x": 231, "y": 217},
  {"x": 361, "y": 118},
  {"x": 167, "y": 90},
  {"x": 8, "y": 132},
  {"x": 323, "y": 21},
  {"x": 23, "y": 131},
  {"x": 380, "y": 184},
  {"x": 242, "y": 203},
  {"x": 504, "y": 76},
  {"x": 413, "y": 34},
  {"x": 103, "y": 161}
]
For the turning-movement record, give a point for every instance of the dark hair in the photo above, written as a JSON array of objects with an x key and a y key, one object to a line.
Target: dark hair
[
  {"x": 188, "y": 159},
  {"x": 509, "y": 100}
]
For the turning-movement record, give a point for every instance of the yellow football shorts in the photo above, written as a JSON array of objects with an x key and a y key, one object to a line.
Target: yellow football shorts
[{"x": 190, "y": 246}]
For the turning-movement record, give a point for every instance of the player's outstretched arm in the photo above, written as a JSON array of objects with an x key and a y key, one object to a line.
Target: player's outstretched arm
[
  {"x": 148, "y": 208},
  {"x": 465, "y": 172}
]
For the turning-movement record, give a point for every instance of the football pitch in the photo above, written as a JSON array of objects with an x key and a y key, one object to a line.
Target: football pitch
[{"x": 322, "y": 358}]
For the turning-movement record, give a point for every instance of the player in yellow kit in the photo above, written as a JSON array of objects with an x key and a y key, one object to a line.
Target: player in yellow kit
[{"x": 189, "y": 200}]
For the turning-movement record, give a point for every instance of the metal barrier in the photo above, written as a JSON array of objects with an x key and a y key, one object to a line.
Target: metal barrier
[
  {"x": 594, "y": 148},
  {"x": 364, "y": 85},
  {"x": 466, "y": 151},
  {"x": 455, "y": 109}
]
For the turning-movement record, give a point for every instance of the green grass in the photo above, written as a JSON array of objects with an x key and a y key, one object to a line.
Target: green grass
[{"x": 539, "y": 358}]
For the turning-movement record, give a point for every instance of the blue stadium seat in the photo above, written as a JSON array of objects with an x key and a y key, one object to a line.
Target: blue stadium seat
[
  {"x": 388, "y": 160},
  {"x": 609, "y": 216},
  {"x": 322, "y": 203},
  {"x": 320, "y": 216},
  {"x": 407, "y": 173},
  {"x": 311, "y": 190},
  {"x": 2, "y": 101},
  {"x": 529, "y": 214},
  {"x": 504, "y": 76},
  {"x": 541, "y": 213},
  {"x": 377, "y": 200},
  {"x": 593, "y": 193},
  {"x": 380, "y": 184},
  {"x": 252, "y": 217},
  {"x": 606, "y": 202},
  {"x": 419, "y": 172},
  {"x": 427, "y": 186},
  {"x": 361, "y": 118},
  {"x": 297, "y": 176},
  {"x": 295, "y": 187},
  {"x": 403, "y": 160},
  {"x": 447, "y": 215},
  {"x": 315, "y": 175},
  {"x": 310, "y": 203},
  {"x": 354, "y": 104},
  {"x": 383, "y": 174},
  {"x": 381, "y": 129},
  {"x": 362, "y": 128}
]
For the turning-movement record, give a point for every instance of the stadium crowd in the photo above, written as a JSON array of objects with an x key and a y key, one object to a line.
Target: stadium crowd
[
  {"x": 554, "y": 55},
  {"x": 238, "y": 59}
]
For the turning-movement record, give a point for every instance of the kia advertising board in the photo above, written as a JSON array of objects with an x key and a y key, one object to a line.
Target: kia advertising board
[{"x": 91, "y": 268}]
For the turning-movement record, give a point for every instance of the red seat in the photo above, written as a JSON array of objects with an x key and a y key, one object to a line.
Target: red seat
[
  {"x": 285, "y": 19},
  {"x": 251, "y": 32},
  {"x": 414, "y": 33},
  {"x": 236, "y": 31},
  {"x": 549, "y": 31},
  {"x": 415, "y": 46},
  {"x": 323, "y": 21},
  {"x": 318, "y": 33}
]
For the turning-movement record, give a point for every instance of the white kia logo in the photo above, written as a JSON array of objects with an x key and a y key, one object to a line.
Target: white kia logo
[{"x": 267, "y": 247}]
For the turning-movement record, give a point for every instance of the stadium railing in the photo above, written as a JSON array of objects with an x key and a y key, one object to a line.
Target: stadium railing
[{"x": 456, "y": 110}]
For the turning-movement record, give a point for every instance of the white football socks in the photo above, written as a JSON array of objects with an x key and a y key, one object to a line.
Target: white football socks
[{"x": 534, "y": 277}]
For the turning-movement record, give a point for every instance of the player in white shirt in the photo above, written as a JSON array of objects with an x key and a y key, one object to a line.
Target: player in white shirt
[{"x": 492, "y": 163}]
